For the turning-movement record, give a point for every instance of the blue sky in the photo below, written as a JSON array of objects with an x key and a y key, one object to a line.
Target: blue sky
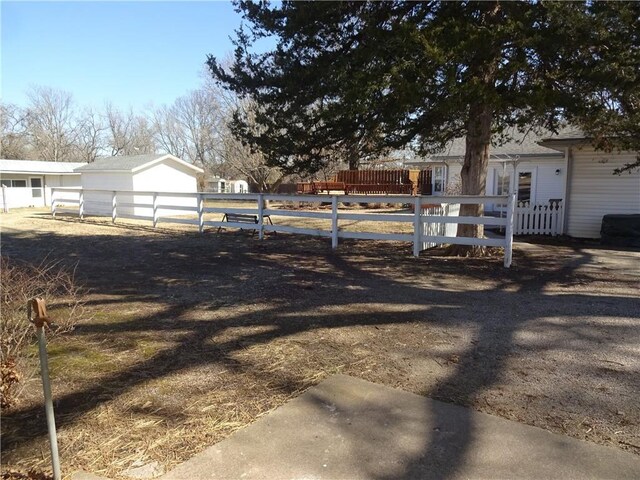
[{"x": 130, "y": 53}]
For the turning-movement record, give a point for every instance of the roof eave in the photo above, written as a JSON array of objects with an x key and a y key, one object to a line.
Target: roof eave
[
  {"x": 164, "y": 157},
  {"x": 23, "y": 172}
]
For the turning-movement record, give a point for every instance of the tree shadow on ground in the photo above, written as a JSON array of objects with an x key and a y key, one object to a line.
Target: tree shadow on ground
[{"x": 300, "y": 286}]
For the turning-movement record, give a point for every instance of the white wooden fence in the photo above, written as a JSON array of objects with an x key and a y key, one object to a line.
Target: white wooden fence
[
  {"x": 543, "y": 219},
  {"x": 434, "y": 219}
]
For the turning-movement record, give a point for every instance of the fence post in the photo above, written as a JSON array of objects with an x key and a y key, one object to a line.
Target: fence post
[
  {"x": 155, "y": 209},
  {"x": 114, "y": 204},
  {"x": 261, "y": 216},
  {"x": 334, "y": 222},
  {"x": 508, "y": 235},
  {"x": 200, "y": 213},
  {"x": 54, "y": 201},
  {"x": 559, "y": 227},
  {"x": 81, "y": 205},
  {"x": 416, "y": 225},
  {"x": 5, "y": 202}
]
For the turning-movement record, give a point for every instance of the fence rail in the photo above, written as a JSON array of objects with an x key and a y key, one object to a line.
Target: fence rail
[{"x": 434, "y": 219}]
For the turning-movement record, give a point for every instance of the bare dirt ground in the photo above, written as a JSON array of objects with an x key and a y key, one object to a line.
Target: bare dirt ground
[{"x": 191, "y": 337}]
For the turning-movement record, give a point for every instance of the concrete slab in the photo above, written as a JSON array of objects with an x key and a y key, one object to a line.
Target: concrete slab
[{"x": 349, "y": 428}]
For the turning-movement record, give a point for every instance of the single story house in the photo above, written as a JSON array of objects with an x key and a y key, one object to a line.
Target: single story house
[
  {"x": 27, "y": 183},
  {"x": 537, "y": 174},
  {"x": 133, "y": 175},
  {"x": 563, "y": 168}
]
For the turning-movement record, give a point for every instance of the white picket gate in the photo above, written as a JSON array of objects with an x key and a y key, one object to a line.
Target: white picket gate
[{"x": 545, "y": 219}]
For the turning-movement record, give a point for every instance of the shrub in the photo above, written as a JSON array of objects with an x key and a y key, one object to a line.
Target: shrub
[{"x": 21, "y": 282}]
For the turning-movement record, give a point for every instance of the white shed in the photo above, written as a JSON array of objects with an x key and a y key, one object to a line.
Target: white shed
[
  {"x": 216, "y": 185},
  {"x": 138, "y": 173},
  {"x": 27, "y": 183},
  {"x": 220, "y": 185},
  {"x": 239, "y": 186}
]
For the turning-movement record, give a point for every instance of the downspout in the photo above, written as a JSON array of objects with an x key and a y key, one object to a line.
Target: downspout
[{"x": 566, "y": 189}]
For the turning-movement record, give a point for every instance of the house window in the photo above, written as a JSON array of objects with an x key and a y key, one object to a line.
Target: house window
[
  {"x": 503, "y": 179},
  {"x": 438, "y": 180},
  {"x": 13, "y": 183},
  {"x": 36, "y": 187}
]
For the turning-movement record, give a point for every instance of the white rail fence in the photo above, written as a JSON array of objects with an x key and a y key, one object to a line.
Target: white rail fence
[
  {"x": 434, "y": 219},
  {"x": 543, "y": 219}
]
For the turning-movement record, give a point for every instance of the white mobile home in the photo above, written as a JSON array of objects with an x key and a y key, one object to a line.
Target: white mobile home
[
  {"x": 27, "y": 183},
  {"x": 137, "y": 174}
]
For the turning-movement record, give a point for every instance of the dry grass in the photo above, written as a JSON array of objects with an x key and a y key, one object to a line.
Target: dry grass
[
  {"x": 192, "y": 337},
  {"x": 22, "y": 281}
]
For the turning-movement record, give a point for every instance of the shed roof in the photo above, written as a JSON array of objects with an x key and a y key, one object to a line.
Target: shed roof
[
  {"x": 131, "y": 163},
  {"x": 39, "y": 167}
]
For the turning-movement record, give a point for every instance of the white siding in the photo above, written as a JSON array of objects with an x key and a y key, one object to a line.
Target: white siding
[
  {"x": 453, "y": 173},
  {"x": 68, "y": 181},
  {"x": 549, "y": 184},
  {"x": 168, "y": 176},
  {"x": 19, "y": 197},
  {"x": 99, "y": 203},
  {"x": 594, "y": 191}
]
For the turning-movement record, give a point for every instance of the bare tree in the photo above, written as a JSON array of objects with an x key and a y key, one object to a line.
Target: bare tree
[
  {"x": 50, "y": 123},
  {"x": 169, "y": 132},
  {"x": 190, "y": 128},
  {"x": 128, "y": 133},
  {"x": 236, "y": 157},
  {"x": 250, "y": 164},
  {"x": 91, "y": 140},
  {"x": 14, "y": 143}
]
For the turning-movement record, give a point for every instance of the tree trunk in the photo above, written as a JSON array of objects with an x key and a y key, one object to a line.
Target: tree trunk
[
  {"x": 354, "y": 158},
  {"x": 474, "y": 175}
]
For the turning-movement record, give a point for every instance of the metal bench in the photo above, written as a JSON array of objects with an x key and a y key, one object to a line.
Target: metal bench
[{"x": 247, "y": 218}]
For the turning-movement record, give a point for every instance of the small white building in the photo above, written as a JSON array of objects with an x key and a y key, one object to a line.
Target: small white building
[
  {"x": 215, "y": 185},
  {"x": 131, "y": 177},
  {"x": 238, "y": 186},
  {"x": 27, "y": 183},
  {"x": 220, "y": 185}
]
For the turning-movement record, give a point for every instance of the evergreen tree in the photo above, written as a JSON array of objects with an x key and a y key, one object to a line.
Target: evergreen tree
[{"x": 369, "y": 76}]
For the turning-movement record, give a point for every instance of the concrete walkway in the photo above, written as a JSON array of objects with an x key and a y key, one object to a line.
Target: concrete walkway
[{"x": 346, "y": 428}]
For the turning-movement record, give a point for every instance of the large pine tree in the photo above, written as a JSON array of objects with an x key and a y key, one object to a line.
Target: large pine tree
[{"x": 362, "y": 77}]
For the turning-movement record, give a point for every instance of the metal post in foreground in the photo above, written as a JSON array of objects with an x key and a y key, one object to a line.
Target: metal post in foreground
[{"x": 37, "y": 306}]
